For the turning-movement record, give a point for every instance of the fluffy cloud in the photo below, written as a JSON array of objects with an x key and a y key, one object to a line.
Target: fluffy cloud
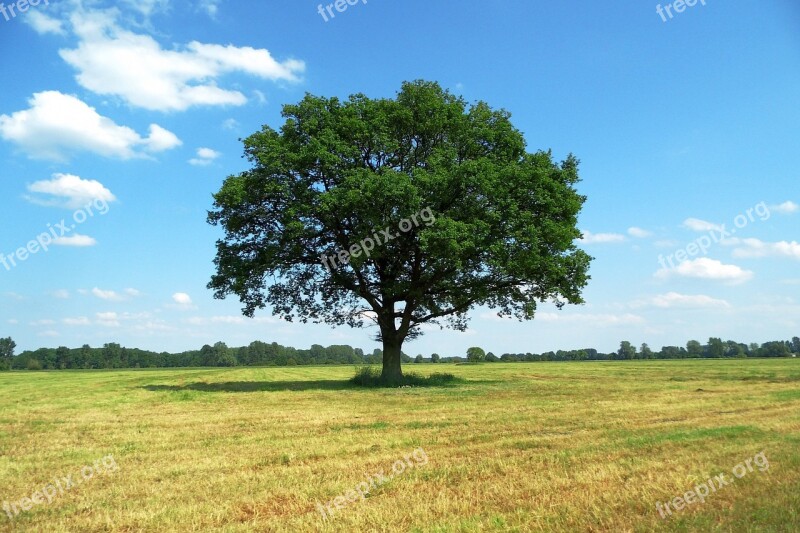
[
  {"x": 204, "y": 157},
  {"x": 109, "y": 320},
  {"x": 78, "y": 321},
  {"x": 58, "y": 124},
  {"x": 674, "y": 299},
  {"x": 705, "y": 268},
  {"x": 181, "y": 298},
  {"x": 69, "y": 191},
  {"x": 590, "y": 319},
  {"x": 113, "y": 61},
  {"x": 43, "y": 24},
  {"x": 601, "y": 238},
  {"x": 786, "y": 208},
  {"x": 639, "y": 233},
  {"x": 77, "y": 240},
  {"x": 695, "y": 224},
  {"x": 757, "y": 248},
  {"x": 106, "y": 295}
]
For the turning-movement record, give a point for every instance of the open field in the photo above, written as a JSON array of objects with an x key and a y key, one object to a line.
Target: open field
[{"x": 519, "y": 447}]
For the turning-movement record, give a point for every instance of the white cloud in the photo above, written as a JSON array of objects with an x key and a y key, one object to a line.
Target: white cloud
[
  {"x": 601, "y": 238},
  {"x": 76, "y": 240},
  {"x": 43, "y": 24},
  {"x": 674, "y": 299},
  {"x": 230, "y": 124},
  {"x": 705, "y": 268},
  {"x": 78, "y": 321},
  {"x": 211, "y": 7},
  {"x": 106, "y": 295},
  {"x": 113, "y": 61},
  {"x": 181, "y": 298},
  {"x": 786, "y": 208},
  {"x": 132, "y": 292},
  {"x": 58, "y": 124},
  {"x": 147, "y": 7},
  {"x": 204, "y": 157},
  {"x": 109, "y": 319},
  {"x": 260, "y": 96},
  {"x": 60, "y": 294},
  {"x": 69, "y": 191},
  {"x": 695, "y": 224},
  {"x": 44, "y": 322},
  {"x": 639, "y": 233},
  {"x": 49, "y": 334},
  {"x": 13, "y": 321},
  {"x": 591, "y": 319},
  {"x": 756, "y": 248}
]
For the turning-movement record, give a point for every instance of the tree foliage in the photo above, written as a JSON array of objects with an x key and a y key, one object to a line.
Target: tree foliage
[
  {"x": 338, "y": 172},
  {"x": 475, "y": 354},
  {"x": 7, "y": 346}
]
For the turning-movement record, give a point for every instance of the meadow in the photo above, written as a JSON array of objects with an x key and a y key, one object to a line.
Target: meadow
[{"x": 513, "y": 447}]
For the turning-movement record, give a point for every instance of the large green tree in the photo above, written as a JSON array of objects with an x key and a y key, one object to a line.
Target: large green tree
[{"x": 499, "y": 222}]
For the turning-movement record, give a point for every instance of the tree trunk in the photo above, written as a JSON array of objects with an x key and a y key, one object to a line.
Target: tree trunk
[{"x": 392, "y": 348}]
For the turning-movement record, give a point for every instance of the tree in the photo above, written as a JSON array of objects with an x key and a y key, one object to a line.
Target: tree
[
  {"x": 626, "y": 351},
  {"x": 435, "y": 358},
  {"x": 475, "y": 354},
  {"x": 796, "y": 345},
  {"x": 646, "y": 352},
  {"x": 716, "y": 348},
  {"x": 491, "y": 358},
  {"x": 419, "y": 359},
  {"x": 7, "y": 347},
  {"x": 402, "y": 211},
  {"x": 694, "y": 349}
]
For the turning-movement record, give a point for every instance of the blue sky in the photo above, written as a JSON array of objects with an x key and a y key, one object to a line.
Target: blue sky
[{"x": 687, "y": 129}]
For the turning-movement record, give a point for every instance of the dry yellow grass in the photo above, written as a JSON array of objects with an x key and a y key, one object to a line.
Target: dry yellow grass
[{"x": 519, "y": 447}]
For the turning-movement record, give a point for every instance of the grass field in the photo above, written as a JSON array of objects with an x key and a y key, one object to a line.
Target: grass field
[{"x": 517, "y": 447}]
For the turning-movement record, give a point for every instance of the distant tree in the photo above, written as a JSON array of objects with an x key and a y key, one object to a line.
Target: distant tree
[
  {"x": 6, "y": 353},
  {"x": 774, "y": 349},
  {"x": 475, "y": 354},
  {"x": 33, "y": 364},
  {"x": 626, "y": 351},
  {"x": 646, "y": 352},
  {"x": 63, "y": 357},
  {"x": 435, "y": 358},
  {"x": 672, "y": 352},
  {"x": 694, "y": 349},
  {"x": 491, "y": 358},
  {"x": 796, "y": 345},
  {"x": 734, "y": 349},
  {"x": 419, "y": 359},
  {"x": 716, "y": 348}
]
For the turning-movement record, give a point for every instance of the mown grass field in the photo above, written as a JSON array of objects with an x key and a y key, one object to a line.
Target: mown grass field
[{"x": 518, "y": 447}]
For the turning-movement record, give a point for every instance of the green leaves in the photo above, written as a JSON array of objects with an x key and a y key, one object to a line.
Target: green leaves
[{"x": 338, "y": 172}]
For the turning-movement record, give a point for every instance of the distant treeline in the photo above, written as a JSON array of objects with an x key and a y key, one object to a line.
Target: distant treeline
[{"x": 273, "y": 354}]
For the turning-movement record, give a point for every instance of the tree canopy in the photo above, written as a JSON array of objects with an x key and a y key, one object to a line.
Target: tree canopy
[{"x": 501, "y": 229}]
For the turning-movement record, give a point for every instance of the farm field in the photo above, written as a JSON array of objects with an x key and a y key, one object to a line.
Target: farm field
[{"x": 515, "y": 447}]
